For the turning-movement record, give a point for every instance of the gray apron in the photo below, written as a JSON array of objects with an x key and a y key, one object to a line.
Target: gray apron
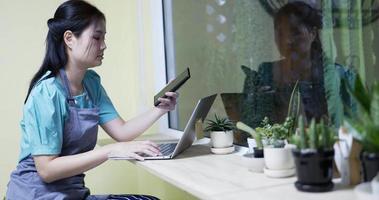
[{"x": 79, "y": 135}]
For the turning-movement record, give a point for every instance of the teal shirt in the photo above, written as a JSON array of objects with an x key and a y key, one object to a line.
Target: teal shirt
[{"x": 46, "y": 110}]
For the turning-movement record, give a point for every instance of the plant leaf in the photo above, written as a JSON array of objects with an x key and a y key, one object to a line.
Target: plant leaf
[
  {"x": 361, "y": 94},
  {"x": 294, "y": 103},
  {"x": 375, "y": 104},
  {"x": 252, "y": 132},
  {"x": 371, "y": 139},
  {"x": 312, "y": 132},
  {"x": 303, "y": 139},
  {"x": 332, "y": 83}
]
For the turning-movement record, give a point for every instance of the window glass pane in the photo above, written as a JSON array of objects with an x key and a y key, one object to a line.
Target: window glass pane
[{"x": 254, "y": 52}]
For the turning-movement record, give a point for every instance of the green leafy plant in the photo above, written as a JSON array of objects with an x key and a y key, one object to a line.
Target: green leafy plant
[
  {"x": 257, "y": 136},
  {"x": 275, "y": 134},
  {"x": 219, "y": 124},
  {"x": 319, "y": 136},
  {"x": 332, "y": 83},
  {"x": 366, "y": 120}
]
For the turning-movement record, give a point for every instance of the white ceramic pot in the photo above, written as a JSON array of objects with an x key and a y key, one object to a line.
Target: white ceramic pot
[
  {"x": 251, "y": 142},
  {"x": 252, "y": 163},
  {"x": 221, "y": 139},
  {"x": 278, "y": 158},
  {"x": 375, "y": 185}
]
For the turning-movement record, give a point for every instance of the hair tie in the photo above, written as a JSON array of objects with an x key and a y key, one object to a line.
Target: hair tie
[{"x": 53, "y": 28}]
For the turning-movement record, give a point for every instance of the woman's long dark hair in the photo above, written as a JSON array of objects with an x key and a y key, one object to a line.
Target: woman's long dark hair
[
  {"x": 307, "y": 16},
  {"x": 73, "y": 15},
  {"x": 311, "y": 18}
]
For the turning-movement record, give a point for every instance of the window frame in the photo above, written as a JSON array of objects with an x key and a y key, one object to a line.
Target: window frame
[{"x": 163, "y": 61}]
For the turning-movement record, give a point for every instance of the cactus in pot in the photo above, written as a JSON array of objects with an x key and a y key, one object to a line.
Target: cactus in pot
[{"x": 314, "y": 156}]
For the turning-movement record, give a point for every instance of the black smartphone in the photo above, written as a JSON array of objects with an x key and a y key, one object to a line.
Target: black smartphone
[{"x": 173, "y": 85}]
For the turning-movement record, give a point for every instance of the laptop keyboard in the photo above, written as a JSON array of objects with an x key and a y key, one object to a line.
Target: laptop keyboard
[{"x": 166, "y": 149}]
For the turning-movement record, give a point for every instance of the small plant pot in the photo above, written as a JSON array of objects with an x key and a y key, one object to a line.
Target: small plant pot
[
  {"x": 278, "y": 158},
  {"x": 370, "y": 165},
  {"x": 253, "y": 144},
  {"x": 278, "y": 162},
  {"x": 253, "y": 163},
  {"x": 221, "y": 139},
  {"x": 258, "y": 153},
  {"x": 314, "y": 170}
]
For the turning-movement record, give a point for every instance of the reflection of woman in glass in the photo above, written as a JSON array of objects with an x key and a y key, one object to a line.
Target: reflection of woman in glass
[{"x": 296, "y": 35}]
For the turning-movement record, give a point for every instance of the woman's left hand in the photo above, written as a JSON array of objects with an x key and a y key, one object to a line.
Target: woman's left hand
[{"x": 168, "y": 103}]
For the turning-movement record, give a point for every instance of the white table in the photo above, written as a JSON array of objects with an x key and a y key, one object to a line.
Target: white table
[{"x": 209, "y": 176}]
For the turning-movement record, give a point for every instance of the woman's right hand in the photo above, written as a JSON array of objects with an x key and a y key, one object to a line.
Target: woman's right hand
[{"x": 134, "y": 149}]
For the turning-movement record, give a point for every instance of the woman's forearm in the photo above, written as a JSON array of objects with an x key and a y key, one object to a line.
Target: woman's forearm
[
  {"x": 52, "y": 168},
  {"x": 122, "y": 131},
  {"x": 136, "y": 126}
]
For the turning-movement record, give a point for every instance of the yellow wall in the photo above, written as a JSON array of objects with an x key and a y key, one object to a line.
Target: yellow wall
[{"x": 23, "y": 31}]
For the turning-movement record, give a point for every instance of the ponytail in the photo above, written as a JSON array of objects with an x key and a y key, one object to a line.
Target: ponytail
[{"x": 73, "y": 15}]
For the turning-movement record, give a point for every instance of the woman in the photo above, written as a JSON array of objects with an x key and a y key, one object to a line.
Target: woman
[
  {"x": 296, "y": 28},
  {"x": 63, "y": 108}
]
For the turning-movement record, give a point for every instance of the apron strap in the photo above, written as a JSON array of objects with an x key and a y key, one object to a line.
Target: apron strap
[
  {"x": 88, "y": 93},
  {"x": 70, "y": 99}
]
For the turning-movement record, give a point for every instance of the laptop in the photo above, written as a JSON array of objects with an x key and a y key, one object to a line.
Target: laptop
[{"x": 170, "y": 150}]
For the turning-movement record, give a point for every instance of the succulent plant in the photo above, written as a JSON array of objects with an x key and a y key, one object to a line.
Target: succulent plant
[
  {"x": 319, "y": 136},
  {"x": 219, "y": 124},
  {"x": 275, "y": 134}
]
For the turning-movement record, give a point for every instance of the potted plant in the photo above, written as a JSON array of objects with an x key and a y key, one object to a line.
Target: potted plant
[
  {"x": 221, "y": 132},
  {"x": 277, "y": 153},
  {"x": 258, "y": 149},
  {"x": 255, "y": 161},
  {"x": 365, "y": 125},
  {"x": 314, "y": 156},
  {"x": 275, "y": 135}
]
